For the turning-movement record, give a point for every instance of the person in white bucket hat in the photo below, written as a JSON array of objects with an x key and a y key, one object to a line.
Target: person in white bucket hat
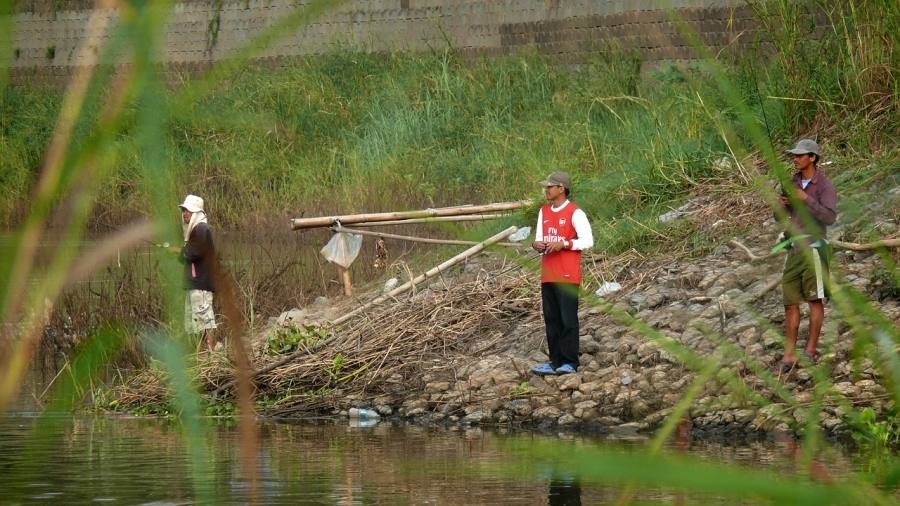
[{"x": 199, "y": 256}]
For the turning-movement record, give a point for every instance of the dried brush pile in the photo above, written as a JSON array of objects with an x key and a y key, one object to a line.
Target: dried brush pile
[
  {"x": 394, "y": 344},
  {"x": 397, "y": 344},
  {"x": 148, "y": 389}
]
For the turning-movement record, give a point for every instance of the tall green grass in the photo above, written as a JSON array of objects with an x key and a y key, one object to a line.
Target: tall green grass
[{"x": 351, "y": 132}]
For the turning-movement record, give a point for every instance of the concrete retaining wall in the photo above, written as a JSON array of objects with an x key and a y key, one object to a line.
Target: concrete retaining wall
[{"x": 45, "y": 43}]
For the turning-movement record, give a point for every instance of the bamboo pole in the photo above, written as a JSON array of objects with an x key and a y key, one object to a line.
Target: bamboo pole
[
  {"x": 436, "y": 219},
  {"x": 410, "y": 238},
  {"x": 345, "y": 279},
  {"x": 396, "y": 291},
  {"x": 429, "y": 274},
  {"x": 349, "y": 219}
]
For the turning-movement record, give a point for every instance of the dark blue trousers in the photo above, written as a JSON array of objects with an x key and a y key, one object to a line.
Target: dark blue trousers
[{"x": 561, "y": 321}]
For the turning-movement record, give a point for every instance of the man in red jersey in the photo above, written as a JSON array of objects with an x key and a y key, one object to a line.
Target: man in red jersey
[{"x": 562, "y": 233}]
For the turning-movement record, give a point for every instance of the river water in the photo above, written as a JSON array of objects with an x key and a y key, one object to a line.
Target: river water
[{"x": 121, "y": 460}]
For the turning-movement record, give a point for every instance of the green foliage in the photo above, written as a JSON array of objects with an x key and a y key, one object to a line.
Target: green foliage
[
  {"x": 219, "y": 408},
  {"x": 835, "y": 59},
  {"x": 876, "y": 434},
  {"x": 523, "y": 389},
  {"x": 287, "y": 339},
  {"x": 150, "y": 409},
  {"x": 337, "y": 365},
  {"x": 886, "y": 282}
]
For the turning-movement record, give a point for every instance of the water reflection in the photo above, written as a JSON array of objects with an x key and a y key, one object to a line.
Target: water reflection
[
  {"x": 145, "y": 461},
  {"x": 564, "y": 491}
]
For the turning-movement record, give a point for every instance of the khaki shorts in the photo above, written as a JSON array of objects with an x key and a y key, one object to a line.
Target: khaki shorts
[
  {"x": 805, "y": 276},
  {"x": 198, "y": 311}
]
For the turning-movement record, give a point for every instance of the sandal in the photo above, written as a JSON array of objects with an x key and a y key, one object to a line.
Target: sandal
[
  {"x": 812, "y": 357},
  {"x": 784, "y": 368}
]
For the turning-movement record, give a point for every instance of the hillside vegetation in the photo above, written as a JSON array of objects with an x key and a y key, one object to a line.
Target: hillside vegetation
[{"x": 349, "y": 132}]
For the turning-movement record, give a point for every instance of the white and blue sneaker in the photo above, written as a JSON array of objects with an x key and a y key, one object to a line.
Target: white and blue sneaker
[
  {"x": 544, "y": 369},
  {"x": 566, "y": 369}
]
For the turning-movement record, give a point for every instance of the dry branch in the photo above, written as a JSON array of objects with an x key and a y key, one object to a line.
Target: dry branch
[
  {"x": 752, "y": 256},
  {"x": 854, "y": 246}
]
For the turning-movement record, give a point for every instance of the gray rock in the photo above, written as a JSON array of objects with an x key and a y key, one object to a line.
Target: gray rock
[
  {"x": 546, "y": 412},
  {"x": 566, "y": 419},
  {"x": 586, "y": 405},
  {"x": 521, "y": 407},
  {"x": 570, "y": 382},
  {"x": 293, "y": 317},
  {"x": 744, "y": 416},
  {"x": 847, "y": 389},
  {"x": 590, "y": 387},
  {"x": 628, "y": 429},
  {"x": 721, "y": 251},
  {"x": 587, "y": 344},
  {"x": 772, "y": 338},
  {"x": 708, "y": 280},
  {"x": 656, "y": 418},
  {"x": 437, "y": 386}
]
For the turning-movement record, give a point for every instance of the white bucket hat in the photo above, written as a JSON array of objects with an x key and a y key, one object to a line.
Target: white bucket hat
[{"x": 192, "y": 203}]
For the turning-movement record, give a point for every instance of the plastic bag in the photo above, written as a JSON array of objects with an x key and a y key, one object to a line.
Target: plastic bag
[
  {"x": 342, "y": 249},
  {"x": 608, "y": 288},
  {"x": 520, "y": 235}
]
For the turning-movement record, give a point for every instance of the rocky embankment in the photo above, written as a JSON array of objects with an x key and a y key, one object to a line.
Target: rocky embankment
[
  {"x": 722, "y": 307},
  {"x": 628, "y": 383},
  {"x": 459, "y": 351}
]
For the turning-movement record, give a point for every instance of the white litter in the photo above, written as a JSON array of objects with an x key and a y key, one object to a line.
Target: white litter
[
  {"x": 608, "y": 288},
  {"x": 390, "y": 285},
  {"x": 520, "y": 234}
]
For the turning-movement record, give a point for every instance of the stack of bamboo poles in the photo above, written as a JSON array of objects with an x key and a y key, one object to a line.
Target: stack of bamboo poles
[
  {"x": 455, "y": 213},
  {"x": 338, "y": 224}
]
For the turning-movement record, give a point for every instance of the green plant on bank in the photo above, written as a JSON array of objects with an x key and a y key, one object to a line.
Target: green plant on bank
[
  {"x": 371, "y": 130},
  {"x": 523, "y": 389},
  {"x": 334, "y": 370},
  {"x": 886, "y": 281},
  {"x": 287, "y": 339},
  {"x": 220, "y": 408},
  {"x": 868, "y": 430}
]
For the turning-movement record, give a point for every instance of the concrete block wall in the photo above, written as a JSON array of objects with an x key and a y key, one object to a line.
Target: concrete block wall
[{"x": 46, "y": 43}]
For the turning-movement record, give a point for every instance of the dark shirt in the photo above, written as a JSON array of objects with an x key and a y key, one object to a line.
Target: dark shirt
[
  {"x": 821, "y": 204},
  {"x": 199, "y": 257}
]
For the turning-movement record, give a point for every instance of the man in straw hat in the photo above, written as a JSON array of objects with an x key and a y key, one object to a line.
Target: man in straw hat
[
  {"x": 199, "y": 256},
  {"x": 562, "y": 233},
  {"x": 811, "y": 204}
]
